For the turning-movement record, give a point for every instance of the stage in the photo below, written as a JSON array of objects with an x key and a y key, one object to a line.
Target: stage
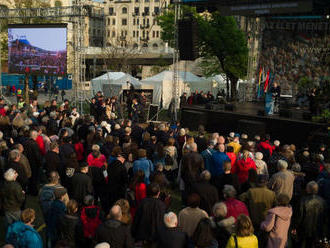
[{"x": 290, "y": 126}]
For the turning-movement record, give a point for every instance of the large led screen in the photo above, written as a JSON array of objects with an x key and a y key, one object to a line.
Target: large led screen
[{"x": 37, "y": 49}]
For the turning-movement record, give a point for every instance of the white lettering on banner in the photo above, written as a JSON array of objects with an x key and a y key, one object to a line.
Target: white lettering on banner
[{"x": 298, "y": 26}]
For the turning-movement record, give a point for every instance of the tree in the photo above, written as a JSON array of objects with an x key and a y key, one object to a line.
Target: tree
[{"x": 220, "y": 41}]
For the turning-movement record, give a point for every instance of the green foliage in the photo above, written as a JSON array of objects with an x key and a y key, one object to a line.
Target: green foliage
[
  {"x": 222, "y": 45},
  {"x": 323, "y": 117}
]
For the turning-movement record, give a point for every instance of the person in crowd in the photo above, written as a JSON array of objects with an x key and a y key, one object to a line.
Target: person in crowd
[
  {"x": 149, "y": 217},
  {"x": 125, "y": 210},
  {"x": 259, "y": 200},
  {"x": 243, "y": 236},
  {"x": 143, "y": 164},
  {"x": 234, "y": 206},
  {"x": 219, "y": 157},
  {"x": 243, "y": 166},
  {"x": 277, "y": 222},
  {"x": 207, "y": 155},
  {"x": 81, "y": 184},
  {"x": 114, "y": 231},
  {"x": 200, "y": 139},
  {"x": 117, "y": 179},
  {"x": 13, "y": 162},
  {"x": 22, "y": 234},
  {"x": 12, "y": 197},
  {"x": 207, "y": 192},
  {"x": 324, "y": 184},
  {"x": 23, "y": 160},
  {"x": 251, "y": 181},
  {"x": 170, "y": 159},
  {"x": 235, "y": 144},
  {"x": 282, "y": 181},
  {"x": 260, "y": 164},
  {"x": 203, "y": 236},
  {"x": 47, "y": 192},
  {"x": 171, "y": 235},
  {"x": 69, "y": 227},
  {"x": 231, "y": 155},
  {"x": 226, "y": 178},
  {"x": 34, "y": 156},
  {"x": 56, "y": 212},
  {"x": 310, "y": 218},
  {"x": 53, "y": 160},
  {"x": 190, "y": 216}
]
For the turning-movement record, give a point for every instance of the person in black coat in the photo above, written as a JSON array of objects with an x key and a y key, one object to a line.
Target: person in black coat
[
  {"x": 81, "y": 184},
  {"x": 52, "y": 159},
  {"x": 14, "y": 158},
  {"x": 207, "y": 192},
  {"x": 226, "y": 178},
  {"x": 149, "y": 216},
  {"x": 171, "y": 236},
  {"x": 115, "y": 232},
  {"x": 117, "y": 178},
  {"x": 32, "y": 152},
  {"x": 66, "y": 149}
]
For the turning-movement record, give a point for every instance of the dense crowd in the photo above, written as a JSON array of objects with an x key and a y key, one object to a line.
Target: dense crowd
[
  {"x": 104, "y": 181},
  {"x": 293, "y": 55}
]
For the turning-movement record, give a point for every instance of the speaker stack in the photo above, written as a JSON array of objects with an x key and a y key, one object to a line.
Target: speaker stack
[{"x": 188, "y": 39}]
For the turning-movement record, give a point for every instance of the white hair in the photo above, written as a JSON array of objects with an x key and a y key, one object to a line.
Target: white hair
[
  {"x": 170, "y": 220},
  {"x": 192, "y": 147},
  {"x": 33, "y": 134},
  {"x": 14, "y": 154},
  {"x": 102, "y": 245},
  {"x": 259, "y": 155},
  {"x": 282, "y": 164},
  {"x": 206, "y": 175},
  {"x": 277, "y": 143},
  {"x": 10, "y": 175},
  {"x": 229, "y": 191},
  {"x": 220, "y": 209}
]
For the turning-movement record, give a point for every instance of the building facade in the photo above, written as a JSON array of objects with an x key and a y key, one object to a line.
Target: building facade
[{"x": 133, "y": 23}]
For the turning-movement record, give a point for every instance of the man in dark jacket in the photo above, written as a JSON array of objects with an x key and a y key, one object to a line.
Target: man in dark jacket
[
  {"x": 52, "y": 159},
  {"x": 114, "y": 232},
  {"x": 149, "y": 216},
  {"x": 32, "y": 152},
  {"x": 12, "y": 197},
  {"x": 171, "y": 236},
  {"x": 14, "y": 158},
  {"x": 207, "y": 192},
  {"x": 66, "y": 149},
  {"x": 117, "y": 180},
  {"x": 81, "y": 184}
]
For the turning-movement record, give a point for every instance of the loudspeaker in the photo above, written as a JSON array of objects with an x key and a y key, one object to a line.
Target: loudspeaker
[
  {"x": 188, "y": 39},
  {"x": 229, "y": 107}
]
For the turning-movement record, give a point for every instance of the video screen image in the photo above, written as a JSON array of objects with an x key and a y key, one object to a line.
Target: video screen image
[{"x": 37, "y": 49}]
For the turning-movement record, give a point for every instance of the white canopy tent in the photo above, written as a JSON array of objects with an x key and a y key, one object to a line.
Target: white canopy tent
[
  {"x": 113, "y": 83},
  {"x": 163, "y": 85}
]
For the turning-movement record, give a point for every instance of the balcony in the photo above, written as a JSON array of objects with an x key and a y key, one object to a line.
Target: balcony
[
  {"x": 145, "y": 13},
  {"x": 135, "y": 14},
  {"x": 144, "y": 26},
  {"x": 112, "y": 14},
  {"x": 122, "y": 38},
  {"x": 155, "y": 13}
]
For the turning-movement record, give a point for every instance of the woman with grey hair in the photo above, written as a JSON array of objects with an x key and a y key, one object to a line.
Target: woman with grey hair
[
  {"x": 12, "y": 197},
  {"x": 222, "y": 227}
]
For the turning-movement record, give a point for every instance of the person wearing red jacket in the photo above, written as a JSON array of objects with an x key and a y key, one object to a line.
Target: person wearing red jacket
[
  {"x": 234, "y": 206},
  {"x": 40, "y": 141},
  {"x": 243, "y": 166},
  {"x": 232, "y": 156},
  {"x": 265, "y": 147}
]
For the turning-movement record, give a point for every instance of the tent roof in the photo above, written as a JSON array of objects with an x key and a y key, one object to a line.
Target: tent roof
[
  {"x": 168, "y": 75},
  {"x": 117, "y": 78}
]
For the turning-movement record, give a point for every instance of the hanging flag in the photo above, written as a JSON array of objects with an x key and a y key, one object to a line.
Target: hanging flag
[
  {"x": 267, "y": 81},
  {"x": 259, "y": 88}
]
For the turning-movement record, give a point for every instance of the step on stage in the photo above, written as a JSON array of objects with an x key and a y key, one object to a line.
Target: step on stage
[{"x": 289, "y": 126}]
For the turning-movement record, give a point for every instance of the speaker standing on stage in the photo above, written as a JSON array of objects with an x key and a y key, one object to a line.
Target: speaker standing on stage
[
  {"x": 276, "y": 92},
  {"x": 136, "y": 110}
]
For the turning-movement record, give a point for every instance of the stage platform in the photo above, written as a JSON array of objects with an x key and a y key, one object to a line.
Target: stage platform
[{"x": 292, "y": 126}]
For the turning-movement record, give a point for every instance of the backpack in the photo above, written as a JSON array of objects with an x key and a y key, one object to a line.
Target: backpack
[
  {"x": 169, "y": 160},
  {"x": 90, "y": 224},
  {"x": 46, "y": 198}
]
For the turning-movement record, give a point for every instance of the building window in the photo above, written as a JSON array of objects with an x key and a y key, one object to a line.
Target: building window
[
  {"x": 136, "y": 1},
  {"x": 144, "y": 21},
  {"x": 125, "y": 32},
  {"x": 146, "y": 10},
  {"x": 148, "y": 21},
  {"x": 156, "y": 10},
  {"x": 58, "y": 4},
  {"x": 143, "y": 34},
  {"x": 136, "y": 10},
  {"x": 113, "y": 21},
  {"x": 154, "y": 46},
  {"x": 147, "y": 1},
  {"x": 124, "y": 21},
  {"x": 137, "y": 34},
  {"x": 133, "y": 33},
  {"x": 111, "y": 11},
  {"x": 124, "y": 10},
  {"x": 137, "y": 21},
  {"x": 94, "y": 31},
  {"x": 108, "y": 33},
  {"x": 108, "y": 21},
  {"x": 153, "y": 34},
  {"x": 145, "y": 45},
  {"x": 156, "y": 1},
  {"x": 133, "y": 21},
  {"x": 135, "y": 46},
  {"x": 113, "y": 34},
  {"x": 157, "y": 34}
]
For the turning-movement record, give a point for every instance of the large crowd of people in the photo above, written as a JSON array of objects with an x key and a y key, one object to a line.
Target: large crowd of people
[
  {"x": 294, "y": 55},
  {"x": 105, "y": 181}
]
